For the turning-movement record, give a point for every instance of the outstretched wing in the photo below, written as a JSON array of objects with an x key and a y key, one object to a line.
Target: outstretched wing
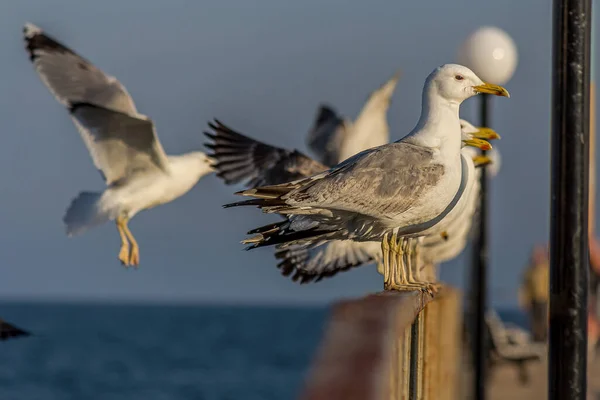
[
  {"x": 240, "y": 158},
  {"x": 312, "y": 264},
  {"x": 90, "y": 95},
  {"x": 327, "y": 134},
  {"x": 370, "y": 128},
  {"x": 122, "y": 144},
  {"x": 70, "y": 77}
]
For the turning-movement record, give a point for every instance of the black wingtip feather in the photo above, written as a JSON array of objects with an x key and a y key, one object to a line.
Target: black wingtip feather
[
  {"x": 82, "y": 104},
  {"x": 252, "y": 202},
  {"x": 210, "y": 135},
  {"x": 37, "y": 39},
  {"x": 325, "y": 112}
]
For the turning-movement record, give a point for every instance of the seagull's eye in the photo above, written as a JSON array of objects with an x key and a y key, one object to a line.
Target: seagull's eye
[{"x": 459, "y": 77}]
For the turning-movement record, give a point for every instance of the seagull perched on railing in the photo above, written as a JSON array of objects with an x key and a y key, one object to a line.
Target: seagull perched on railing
[
  {"x": 239, "y": 158},
  {"x": 385, "y": 193},
  {"x": 122, "y": 142},
  {"x": 310, "y": 263},
  {"x": 332, "y": 138},
  {"x": 436, "y": 249}
]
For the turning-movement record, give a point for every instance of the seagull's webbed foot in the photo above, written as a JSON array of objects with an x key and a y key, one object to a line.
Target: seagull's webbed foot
[
  {"x": 403, "y": 278},
  {"x": 130, "y": 251},
  {"x": 424, "y": 287},
  {"x": 134, "y": 256},
  {"x": 124, "y": 252}
]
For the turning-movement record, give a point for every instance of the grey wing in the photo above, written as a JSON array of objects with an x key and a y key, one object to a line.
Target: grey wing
[
  {"x": 70, "y": 77},
  {"x": 326, "y": 135},
  {"x": 381, "y": 182},
  {"x": 120, "y": 144},
  {"x": 240, "y": 158},
  {"x": 312, "y": 264}
]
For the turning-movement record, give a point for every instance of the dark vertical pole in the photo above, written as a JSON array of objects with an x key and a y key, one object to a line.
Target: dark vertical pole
[
  {"x": 414, "y": 372},
  {"x": 479, "y": 277},
  {"x": 569, "y": 200}
]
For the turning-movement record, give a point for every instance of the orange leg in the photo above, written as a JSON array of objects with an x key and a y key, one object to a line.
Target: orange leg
[{"x": 124, "y": 253}]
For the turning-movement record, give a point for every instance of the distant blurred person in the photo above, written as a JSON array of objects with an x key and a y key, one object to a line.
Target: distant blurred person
[
  {"x": 534, "y": 292},
  {"x": 593, "y": 309}
]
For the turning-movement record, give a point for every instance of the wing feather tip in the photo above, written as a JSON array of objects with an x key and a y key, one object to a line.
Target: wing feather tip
[{"x": 30, "y": 30}]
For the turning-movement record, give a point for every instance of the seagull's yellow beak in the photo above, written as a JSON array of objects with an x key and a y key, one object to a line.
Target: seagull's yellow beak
[
  {"x": 486, "y": 133},
  {"x": 489, "y": 88},
  {"x": 481, "y": 160},
  {"x": 479, "y": 143}
]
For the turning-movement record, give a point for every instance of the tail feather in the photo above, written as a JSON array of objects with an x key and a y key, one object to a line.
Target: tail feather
[
  {"x": 255, "y": 202},
  {"x": 272, "y": 191},
  {"x": 262, "y": 229},
  {"x": 84, "y": 213},
  {"x": 280, "y": 233}
]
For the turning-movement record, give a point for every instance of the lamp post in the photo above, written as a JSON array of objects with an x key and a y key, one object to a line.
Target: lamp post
[
  {"x": 571, "y": 53},
  {"x": 492, "y": 55}
]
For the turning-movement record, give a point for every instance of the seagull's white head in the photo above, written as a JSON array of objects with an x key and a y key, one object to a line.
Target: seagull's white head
[
  {"x": 456, "y": 83},
  {"x": 466, "y": 128},
  {"x": 199, "y": 162}
]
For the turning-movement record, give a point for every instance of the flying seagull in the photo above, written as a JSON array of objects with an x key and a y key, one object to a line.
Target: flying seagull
[
  {"x": 122, "y": 142},
  {"x": 385, "y": 193}
]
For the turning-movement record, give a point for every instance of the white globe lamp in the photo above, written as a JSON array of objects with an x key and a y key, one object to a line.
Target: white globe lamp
[{"x": 491, "y": 53}]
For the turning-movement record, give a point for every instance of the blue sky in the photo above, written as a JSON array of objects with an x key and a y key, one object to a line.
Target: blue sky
[{"x": 262, "y": 68}]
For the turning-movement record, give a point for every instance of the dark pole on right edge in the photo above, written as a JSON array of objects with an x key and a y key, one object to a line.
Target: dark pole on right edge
[{"x": 567, "y": 369}]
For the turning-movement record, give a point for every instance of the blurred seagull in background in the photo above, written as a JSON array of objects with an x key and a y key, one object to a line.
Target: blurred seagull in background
[
  {"x": 122, "y": 142},
  {"x": 239, "y": 158},
  {"x": 334, "y": 138}
]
